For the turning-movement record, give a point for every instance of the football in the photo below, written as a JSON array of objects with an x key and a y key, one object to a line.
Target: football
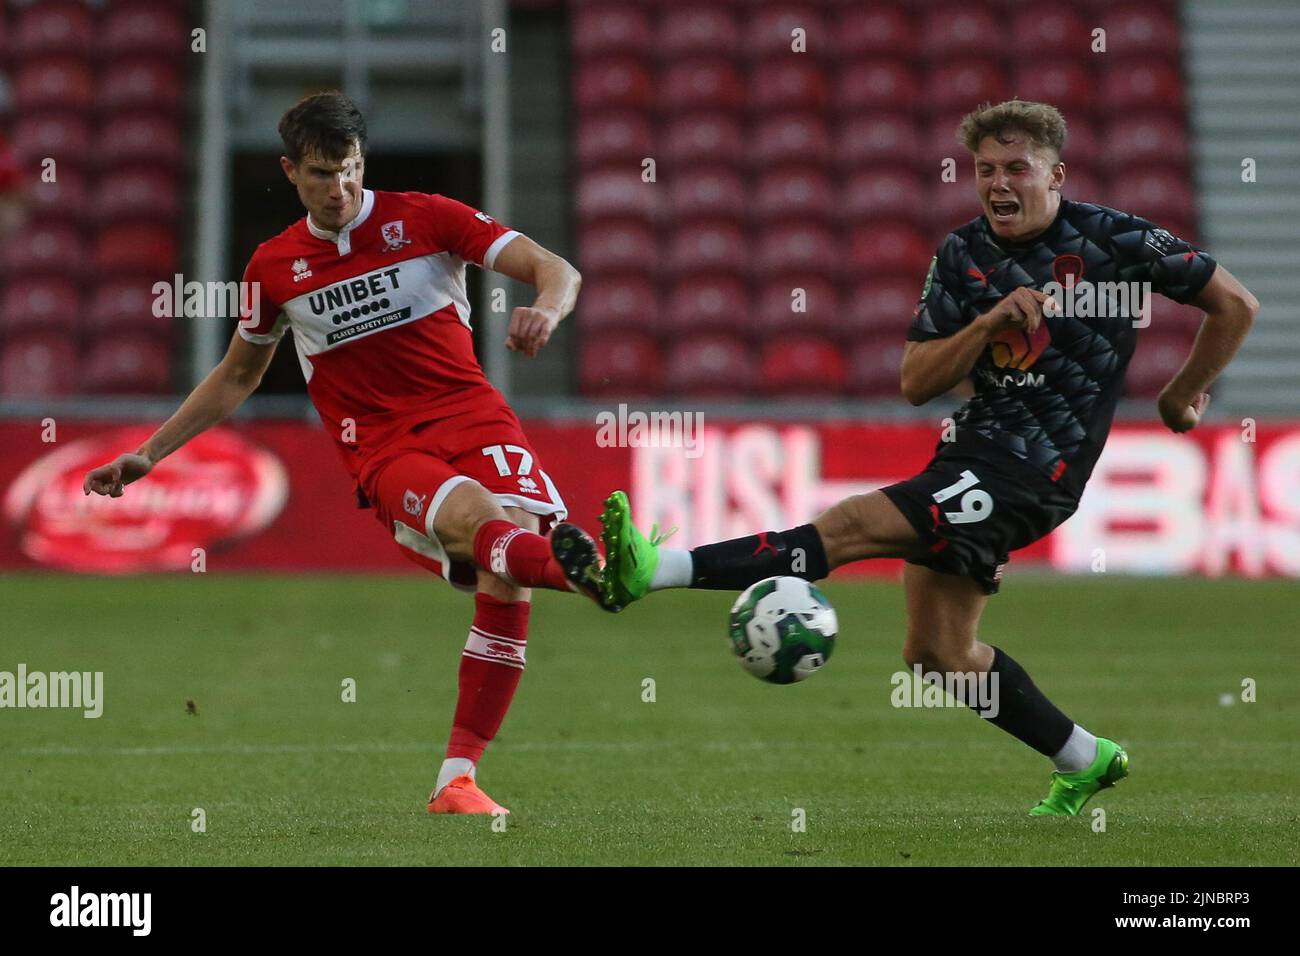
[{"x": 783, "y": 629}]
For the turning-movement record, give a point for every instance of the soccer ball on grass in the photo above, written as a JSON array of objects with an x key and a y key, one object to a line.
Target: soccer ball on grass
[{"x": 782, "y": 629}]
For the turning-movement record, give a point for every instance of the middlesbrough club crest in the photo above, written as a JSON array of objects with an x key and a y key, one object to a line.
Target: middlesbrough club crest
[{"x": 394, "y": 234}]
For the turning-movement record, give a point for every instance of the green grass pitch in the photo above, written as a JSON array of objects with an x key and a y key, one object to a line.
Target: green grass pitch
[{"x": 713, "y": 771}]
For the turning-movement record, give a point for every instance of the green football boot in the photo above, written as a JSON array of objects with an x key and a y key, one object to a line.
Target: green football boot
[
  {"x": 1070, "y": 791},
  {"x": 630, "y": 557}
]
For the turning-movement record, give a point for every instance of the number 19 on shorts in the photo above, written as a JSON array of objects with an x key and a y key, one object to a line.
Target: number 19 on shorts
[{"x": 976, "y": 504}]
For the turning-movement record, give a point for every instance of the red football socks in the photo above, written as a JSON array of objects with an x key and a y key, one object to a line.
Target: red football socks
[
  {"x": 518, "y": 555},
  {"x": 490, "y": 668}
]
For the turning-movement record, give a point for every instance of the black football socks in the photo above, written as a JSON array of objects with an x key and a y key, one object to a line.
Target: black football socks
[
  {"x": 1023, "y": 711},
  {"x": 736, "y": 564}
]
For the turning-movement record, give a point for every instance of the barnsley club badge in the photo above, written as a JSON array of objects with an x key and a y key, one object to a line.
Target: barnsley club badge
[{"x": 394, "y": 234}]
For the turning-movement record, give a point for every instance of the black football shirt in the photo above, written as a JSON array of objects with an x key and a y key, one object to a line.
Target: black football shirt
[{"x": 1050, "y": 398}]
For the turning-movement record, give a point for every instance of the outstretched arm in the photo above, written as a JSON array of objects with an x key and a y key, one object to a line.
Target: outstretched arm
[{"x": 557, "y": 285}]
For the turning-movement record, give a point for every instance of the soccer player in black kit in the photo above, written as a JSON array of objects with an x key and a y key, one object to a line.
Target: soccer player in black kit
[{"x": 1046, "y": 386}]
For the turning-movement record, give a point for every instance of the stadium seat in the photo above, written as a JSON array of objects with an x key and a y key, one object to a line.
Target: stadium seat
[
  {"x": 816, "y": 298},
  {"x": 885, "y": 193},
  {"x": 1158, "y": 138},
  {"x": 793, "y": 192},
  {"x": 611, "y": 83},
  {"x": 879, "y": 306},
  {"x": 38, "y": 365},
  {"x": 715, "y": 248},
  {"x": 137, "y": 195},
  {"x": 801, "y": 365},
  {"x": 1082, "y": 185},
  {"x": 1082, "y": 144},
  {"x": 706, "y": 192},
  {"x": 940, "y": 143},
  {"x": 960, "y": 85},
  {"x": 711, "y": 365},
  {"x": 869, "y": 86},
  {"x": 622, "y": 138},
  {"x": 791, "y": 83},
  {"x": 888, "y": 249},
  {"x": 619, "y": 302},
  {"x": 39, "y": 304},
  {"x": 118, "y": 304},
  {"x": 801, "y": 139},
  {"x": 1052, "y": 33},
  {"x": 1156, "y": 193},
  {"x": 798, "y": 248},
  {"x": 129, "y": 365},
  {"x": 876, "y": 139},
  {"x": 708, "y": 304},
  {"x": 874, "y": 365},
  {"x": 65, "y": 138},
  {"x": 47, "y": 249},
  {"x": 141, "y": 250},
  {"x": 620, "y": 364},
  {"x": 703, "y": 138},
  {"x": 1170, "y": 316},
  {"x": 1139, "y": 32},
  {"x": 139, "y": 84},
  {"x": 1133, "y": 86},
  {"x": 700, "y": 84},
  {"x": 1159, "y": 356},
  {"x": 51, "y": 29},
  {"x": 66, "y": 199},
  {"x": 135, "y": 137},
  {"x": 960, "y": 30},
  {"x": 698, "y": 31},
  {"x": 952, "y": 204},
  {"x": 54, "y": 84},
  {"x": 612, "y": 193},
  {"x": 868, "y": 32},
  {"x": 620, "y": 246},
  {"x": 144, "y": 29},
  {"x": 769, "y": 30},
  {"x": 1066, "y": 84},
  {"x": 610, "y": 28}
]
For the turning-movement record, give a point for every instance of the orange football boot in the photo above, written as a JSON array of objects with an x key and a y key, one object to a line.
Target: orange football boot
[{"x": 462, "y": 795}]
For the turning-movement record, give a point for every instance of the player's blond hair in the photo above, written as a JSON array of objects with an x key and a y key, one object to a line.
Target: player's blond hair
[{"x": 1041, "y": 123}]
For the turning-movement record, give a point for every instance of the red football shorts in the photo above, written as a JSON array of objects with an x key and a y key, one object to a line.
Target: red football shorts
[{"x": 417, "y": 473}]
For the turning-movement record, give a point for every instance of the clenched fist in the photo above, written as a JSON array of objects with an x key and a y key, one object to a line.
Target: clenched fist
[
  {"x": 1180, "y": 413},
  {"x": 112, "y": 478},
  {"x": 1022, "y": 309},
  {"x": 530, "y": 329}
]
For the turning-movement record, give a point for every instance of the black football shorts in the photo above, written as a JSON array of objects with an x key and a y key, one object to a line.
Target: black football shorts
[{"x": 974, "y": 504}]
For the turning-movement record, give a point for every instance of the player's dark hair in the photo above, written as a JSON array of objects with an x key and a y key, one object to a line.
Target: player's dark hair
[
  {"x": 1041, "y": 123},
  {"x": 323, "y": 124}
]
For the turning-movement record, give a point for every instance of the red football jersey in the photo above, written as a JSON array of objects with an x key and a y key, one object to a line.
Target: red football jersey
[{"x": 379, "y": 314}]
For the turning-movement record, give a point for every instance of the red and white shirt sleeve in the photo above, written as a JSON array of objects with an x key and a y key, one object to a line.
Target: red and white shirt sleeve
[
  {"x": 474, "y": 236},
  {"x": 260, "y": 319}
]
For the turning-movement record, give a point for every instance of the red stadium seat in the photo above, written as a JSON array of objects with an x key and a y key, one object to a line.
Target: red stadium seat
[
  {"x": 876, "y": 85},
  {"x": 798, "y": 248},
  {"x": 140, "y": 250},
  {"x": 703, "y": 84},
  {"x": 801, "y": 365},
  {"x": 1140, "y": 32},
  {"x": 698, "y": 31},
  {"x": 1173, "y": 317},
  {"x": 715, "y": 366},
  {"x": 816, "y": 299},
  {"x": 874, "y": 365},
  {"x": 1052, "y": 32},
  {"x": 132, "y": 365},
  {"x": 623, "y": 138},
  {"x": 882, "y": 193},
  {"x": 140, "y": 84},
  {"x": 39, "y": 304},
  {"x": 1155, "y": 193},
  {"x": 964, "y": 30},
  {"x": 614, "y": 193},
  {"x": 5, "y": 55},
  {"x": 67, "y": 199},
  {"x": 709, "y": 304},
  {"x": 619, "y": 302},
  {"x": 888, "y": 249},
  {"x": 612, "y": 83},
  {"x": 613, "y": 28},
  {"x": 870, "y": 32},
  {"x": 793, "y": 192},
  {"x": 64, "y": 138},
  {"x": 703, "y": 138},
  {"x": 883, "y": 306},
  {"x": 1082, "y": 185},
  {"x": 144, "y": 29},
  {"x": 137, "y": 194},
  {"x": 38, "y": 365},
  {"x": 53, "y": 28},
  {"x": 952, "y": 204},
  {"x": 54, "y": 84},
  {"x": 1158, "y": 358},
  {"x": 769, "y": 31},
  {"x": 940, "y": 144},
  {"x": 791, "y": 138},
  {"x": 1082, "y": 144},
  {"x": 50, "y": 249},
  {"x": 716, "y": 248},
  {"x": 1067, "y": 85},
  {"x": 876, "y": 139},
  {"x": 620, "y": 364},
  {"x": 621, "y": 246},
  {"x": 1132, "y": 86},
  {"x": 712, "y": 192},
  {"x": 792, "y": 83},
  {"x": 963, "y": 85},
  {"x": 1158, "y": 138},
  {"x": 136, "y": 137}
]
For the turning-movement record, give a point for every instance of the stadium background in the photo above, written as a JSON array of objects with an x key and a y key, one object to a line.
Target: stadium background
[{"x": 774, "y": 170}]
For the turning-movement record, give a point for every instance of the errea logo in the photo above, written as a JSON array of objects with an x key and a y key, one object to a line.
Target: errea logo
[
  {"x": 484, "y": 216},
  {"x": 300, "y": 270}
]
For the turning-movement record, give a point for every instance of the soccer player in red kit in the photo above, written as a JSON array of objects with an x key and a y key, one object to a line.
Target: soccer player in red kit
[{"x": 373, "y": 286}]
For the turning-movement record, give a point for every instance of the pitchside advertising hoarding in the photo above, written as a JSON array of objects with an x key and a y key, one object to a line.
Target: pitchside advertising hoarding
[{"x": 274, "y": 496}]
